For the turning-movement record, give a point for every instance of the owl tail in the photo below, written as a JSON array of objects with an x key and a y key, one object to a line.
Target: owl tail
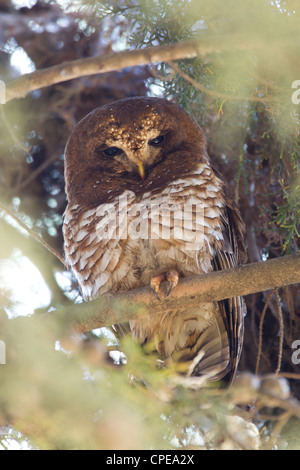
[{"x": 206, "y": 353}]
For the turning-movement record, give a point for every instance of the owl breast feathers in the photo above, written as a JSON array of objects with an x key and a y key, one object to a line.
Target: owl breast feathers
[{"x": 144, "y": 205}]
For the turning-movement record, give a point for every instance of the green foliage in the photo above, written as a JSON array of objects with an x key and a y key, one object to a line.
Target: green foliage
[
  {"x": 76, "y": 399},
  {"x": 287, "y": 216}
]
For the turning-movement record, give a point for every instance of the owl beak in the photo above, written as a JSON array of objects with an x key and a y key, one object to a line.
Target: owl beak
[{"x": 141, "y": 170}]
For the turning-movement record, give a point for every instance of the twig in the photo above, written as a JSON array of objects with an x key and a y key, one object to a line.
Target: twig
[
  {"x": 33, "y": 234},
  {"x": 216, "y": 94},
  {"x": 281, "y": 328},
  {"x": 34, "y": 174},
  {"x": 291, "y": 310},
  {"x": 159, "y": 76},
  {"x": 283, "y": 419},
  {"x": 262, "y": 318},
  {"x": 252, "y": 309},
  {"x": 12, "y": 134},
  {"x": 289, "y": 375}
]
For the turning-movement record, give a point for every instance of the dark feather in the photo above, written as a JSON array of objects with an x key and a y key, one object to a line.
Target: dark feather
[{"x": 232, "y": 310}]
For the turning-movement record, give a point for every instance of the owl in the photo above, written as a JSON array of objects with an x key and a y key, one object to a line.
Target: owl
[{"x": 146, "y": 206}]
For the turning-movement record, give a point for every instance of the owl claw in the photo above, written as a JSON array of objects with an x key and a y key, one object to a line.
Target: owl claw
[
  {"x": 155, "y": 293},
  {"x": 171, "y": 276},
  {"x": 155, "y": 284}
]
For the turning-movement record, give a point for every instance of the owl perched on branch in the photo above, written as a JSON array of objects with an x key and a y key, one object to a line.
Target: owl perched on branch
[{"x": 144, "y": 206}]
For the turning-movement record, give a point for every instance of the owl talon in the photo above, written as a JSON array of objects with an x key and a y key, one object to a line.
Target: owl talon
[
  {"x": 155, "y": 293},
  {"x": 155, "y": 284},
  {"x": 172, "y": 277}
]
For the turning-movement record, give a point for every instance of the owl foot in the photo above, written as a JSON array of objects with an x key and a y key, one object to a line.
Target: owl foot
[
  {"x": 171, "y": 276},
  {"x": 155, "y": 284}
]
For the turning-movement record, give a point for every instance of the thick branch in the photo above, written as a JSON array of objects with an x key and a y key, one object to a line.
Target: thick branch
[
  {"x": 117, "y": 61},
  {"x": 219, "y": 285},
  {"x": 106, "y": 63}
]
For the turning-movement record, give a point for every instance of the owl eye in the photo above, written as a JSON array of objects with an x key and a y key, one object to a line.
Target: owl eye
[
  {"x": 158, "y": 140},
  {"x": 112, "y": 151}
]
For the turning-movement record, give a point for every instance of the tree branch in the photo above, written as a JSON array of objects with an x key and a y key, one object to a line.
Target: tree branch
[
  {"x": 106, "y": 63},
  {"x": 216, "y": 94},
  {"x": 119, "y": 60},
  {"x": 243, "y": 280}
]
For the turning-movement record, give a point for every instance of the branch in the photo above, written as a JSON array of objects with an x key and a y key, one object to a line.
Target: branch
[
  {"x": 243, "y": 280},
  {"x": 216, "y": 94},
  {"x": 119, "y": 60},
  {"x": 106, "y": 63}
]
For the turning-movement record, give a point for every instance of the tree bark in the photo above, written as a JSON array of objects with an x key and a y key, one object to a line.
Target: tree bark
[{"x": 243, "y": 280}]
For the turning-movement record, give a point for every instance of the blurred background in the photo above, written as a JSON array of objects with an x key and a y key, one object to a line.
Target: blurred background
[{"x": 241, "y": 95}]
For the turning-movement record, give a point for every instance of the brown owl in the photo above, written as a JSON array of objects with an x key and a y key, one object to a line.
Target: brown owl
[{"x": 145, "y": 205}]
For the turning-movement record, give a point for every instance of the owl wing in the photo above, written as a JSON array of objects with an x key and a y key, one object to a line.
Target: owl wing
[
  {"x": 232, "y": 310},
  {"x": 213, "y": 351}
]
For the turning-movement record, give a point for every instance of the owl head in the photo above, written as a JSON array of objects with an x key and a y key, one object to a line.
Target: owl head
[{"x": 130, "y": 144}]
